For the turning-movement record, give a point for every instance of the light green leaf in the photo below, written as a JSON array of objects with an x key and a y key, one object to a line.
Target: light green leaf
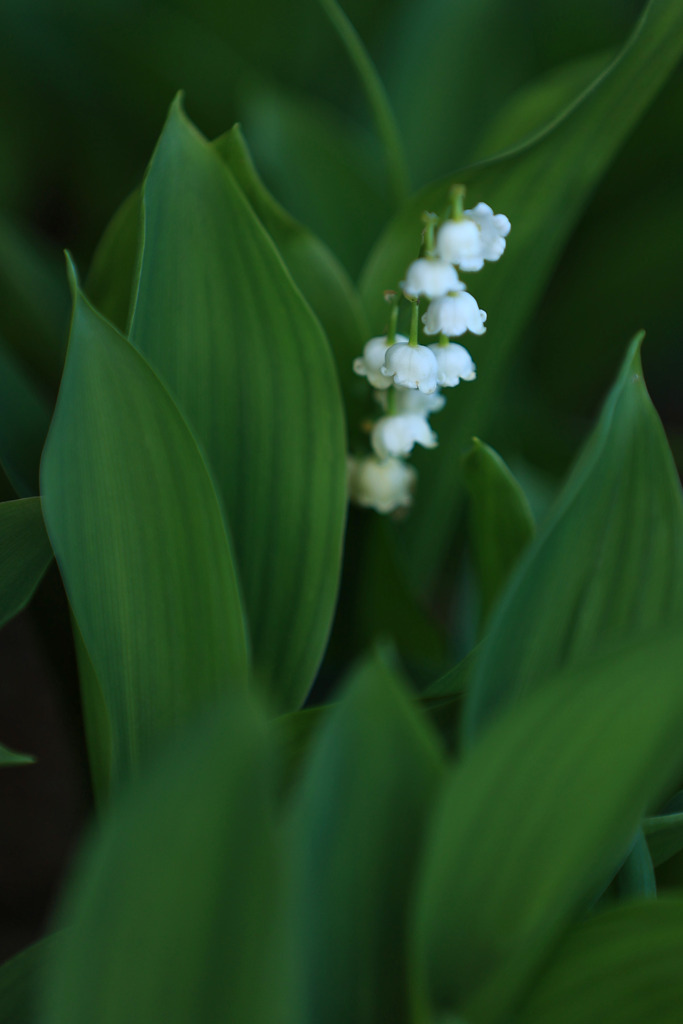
[
  {"x": 25, "y": 554},
  {"x": 24, "y": 419},
  {"x": 542, "y": 187},
  {"x": 619, "y": 967},
  {"x": 176, "y": 911},
  {"x": 501, "y": 523},
  {"x": 221, "y": 321},
  {"x": 315, "y": 269},
  {"x": 608, "y": 565},
  {"x": 357, "y": 824},
  {"x": 536, "y": 819},
  {"x": 141, "y": 543}
]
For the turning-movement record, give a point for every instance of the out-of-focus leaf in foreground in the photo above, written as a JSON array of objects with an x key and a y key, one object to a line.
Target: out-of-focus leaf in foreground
[
  {"x": 537, "y": 818},
  {"x": 608, "y": 565},
  {"x": 220, "y": 320},
  {"x": 623, "y": 965},
  {"x": 176, "y": 913},
  {"x": 542, "y": 187},
  {"x": 501, "y": 523},
  {"x": 25, "y": 554},
  {"x": 21, "y": 982},
  {"x": 358, "y": 819},
  {"x": 141, "y": 542},
  {"x": 10, "y": 758}
]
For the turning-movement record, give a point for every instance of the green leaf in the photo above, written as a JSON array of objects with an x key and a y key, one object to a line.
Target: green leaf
[
  {"x": 21, "y": 982},
  {"x": 315, "y": 269},
  {"x": 536, "y": 819},
  {"x": 25, "y": 554},
  {"x": 176, "y": 911},
  {"x": 637, "y": 874},
  {"x": 109, "y": 284},
  {"x": 357, "y": 824},
  {"x": 24, "y": 420},
  {"x": 141, "y": 542},
  {"x": 664, "y": 834},
  {"x": 221, "y": 321},
  {"x": 10, "y": 758},
  {"x": 608, "y": 565},
  {"x": 621, "y": 966},
  {"x": 501, "y": 523},
  {"x": 542, "y": 186}
]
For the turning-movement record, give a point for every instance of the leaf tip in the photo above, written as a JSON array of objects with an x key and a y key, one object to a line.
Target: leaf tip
[{"x": 72, "y": 274}]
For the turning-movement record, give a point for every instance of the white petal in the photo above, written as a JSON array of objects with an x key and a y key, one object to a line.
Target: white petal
[
  {"x": 455, "y": 364},
  {"x": 397, "y": 435},
  {"x": 453, "y": 315},
  {"x": 384, "y": 485},
  {"x": 432, "y": 278},
  {"x": 371, "y": 362},
  {"x": 459, "y": 241}
]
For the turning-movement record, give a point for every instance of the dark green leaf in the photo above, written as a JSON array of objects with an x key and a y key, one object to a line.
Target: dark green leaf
[
  {"x": 620, "y": 967},
  {"x": 141, "y": 542},
  {"x": 501, "y": 523},
  {"x": 358, "y": 821},
  {"x": 9, "y": 758},
  {"x": 537, "y": 818},
  {"x": 109, "y": 284},
  {"x": 20, "y": 982},
  {"x": 176, "y": 911},
  {"x": 608, "y": 565},
  {"x": 25, "y": 554},
  {"x": 664, "y": 834},
  {"x": 219, "y": 318},
  {"x": 542, "y": 187},
  {"x": 637, "y": 874},
  {"x": 24, "y": 419}
]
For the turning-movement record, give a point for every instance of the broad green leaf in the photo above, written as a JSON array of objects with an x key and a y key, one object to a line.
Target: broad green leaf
[
  {"x": 315, "y": 269},
  {"x": 24, "y": 419},
  {"x": 219, "y": 318},
  {"x": 357, "y": 825},
  {"x": 21, "y": 982},
  {"x": 110, "y": 280},
  {"x": 619, "y": 967},
  {"x": 664, "y": 835},
  {"x": 176, "y": 912},
  {"x": 141, "y": 543},
  {"x": 537, "y": 817},
  {"x": 542, "y": 186},
  {"x": 608, "y": 565},
  {"x": 25, "y": 554},
  {"x": 501, "y": 523},
  {"x": 383, "y": 116}
]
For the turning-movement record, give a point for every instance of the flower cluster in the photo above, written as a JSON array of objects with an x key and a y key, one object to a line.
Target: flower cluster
[{"x": 408, "y": 376}]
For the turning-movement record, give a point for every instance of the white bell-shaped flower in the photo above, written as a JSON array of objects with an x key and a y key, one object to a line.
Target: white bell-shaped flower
[
  {"x": 411, "y": 366},
  {"x": 479, "y": 235},
  {"x": 397, "y": 435},
  {"x": 453, "y": 315},
  {"x": 384, "y": 485},
  {"x": 432, "y": 278},
  {"x": 459, "y": 242},
  {"x": 371, "y": 362},
  {"x": 410, "y": 400},
  {"x": 455, "y": 364},
  {"x": 494, "y": 229}
]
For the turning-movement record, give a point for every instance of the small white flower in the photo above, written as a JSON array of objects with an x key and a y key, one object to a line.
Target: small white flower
[
  {"x": 453, "y": 315},
  {"x": 411, "y": 366},
  {"x": 455, "y": 364},
  {"x": 411, "y": 400},
  {"x": 371, "y": 362},
  {"x": 459, "y": 241},
  {"x": 431, "y": 278},
  {"x": 384, "y": 485},
  {"x": 480, "y": 235},
  {"x": 397, "y": 435}
]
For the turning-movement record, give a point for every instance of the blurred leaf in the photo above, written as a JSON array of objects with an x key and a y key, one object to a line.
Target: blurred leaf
[
  {"x": 141, "y": 542},
  {"x": 620, "y": 966},
  {"x": 219, "y": 318},
  {"x": 542, "y": 186},
  {"x": 637, "y": 874},
  {"x": 538, "y": 816},
  {"x": 20, "y": 982},
  {"x": 501, "y": 523},
  {"x": 321, "y": 166},
  {"x": 25, "y": 554},
  {"x": 383, "y": 115},
  {"x": 315, "y": 269},
  {"x": 176, "y": 911},
  {"x": 664, "y": 834},
  {"x": 109, "y": 284},
  {"x": 357, "y": 825},
  {"x": 10, "y": 758},
  {"x": 608, "y": 565},
  {"x": 24, "y": 419}
]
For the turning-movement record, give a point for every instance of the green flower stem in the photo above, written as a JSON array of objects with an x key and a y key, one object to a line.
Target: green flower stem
[
  {"x": 457, "y": 201},
  {"x": 393, "y": 320},
  {"x": 444, "y": 341},
  {"x": 414, "y": 322},
  {"x": 391, "y": 401}
]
